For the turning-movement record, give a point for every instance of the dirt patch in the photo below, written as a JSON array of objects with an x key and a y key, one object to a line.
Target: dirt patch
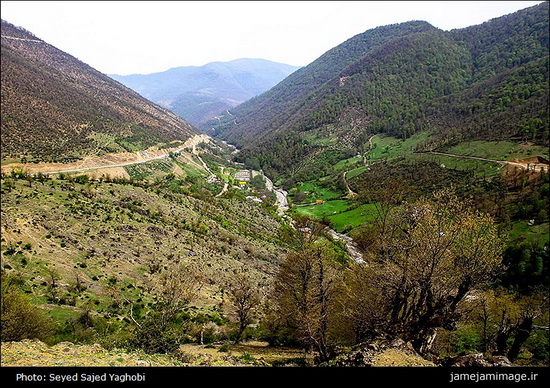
[
  {"x": 113, "y": 172},
  {"x": 397, "y": 357},
  {"x": 251, "y": 353}
]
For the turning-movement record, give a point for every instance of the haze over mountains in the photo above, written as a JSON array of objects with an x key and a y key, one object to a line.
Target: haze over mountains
[
  {"x": 199, "y": 93},
  {"x": 56, "y": 108},
  {"x": 482, "y": 82}
]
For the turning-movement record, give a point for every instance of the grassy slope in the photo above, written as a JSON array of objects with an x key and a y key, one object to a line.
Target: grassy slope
[
  {"x": 118, "y": 236},
  {"x": 343, "y": 215}
]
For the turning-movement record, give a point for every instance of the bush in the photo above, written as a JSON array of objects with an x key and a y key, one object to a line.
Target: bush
[
  {"x": 467, "y": 340},
  {"x": 224, "y": 348},
  {"x": 538, "y": 345},
  {"x": 152, "y": 339},
  {"x": 20, "y": 318}
]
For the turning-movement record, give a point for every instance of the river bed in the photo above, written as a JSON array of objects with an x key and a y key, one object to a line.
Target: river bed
[{"x": 282, "y": 204}]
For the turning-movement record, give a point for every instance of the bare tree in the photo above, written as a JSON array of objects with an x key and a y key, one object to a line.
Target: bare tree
[
  {"x": 52, "y": 281},
  {"x": 160, "y": 331},
  {"x": 245, "y": 299},
  {"x": 504, "y": 316},
  {"x": 305, "y": 293},
  {"x": 177, "y": 287}
]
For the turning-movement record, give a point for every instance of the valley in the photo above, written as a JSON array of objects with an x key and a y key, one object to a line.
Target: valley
[{"x": 385, "y": 205}]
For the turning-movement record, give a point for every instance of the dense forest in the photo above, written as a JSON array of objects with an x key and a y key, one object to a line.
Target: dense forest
[{"x": 482, "y": 82}]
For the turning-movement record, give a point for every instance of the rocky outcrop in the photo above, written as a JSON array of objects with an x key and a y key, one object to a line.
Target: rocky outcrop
[
  {"x": 476, "y": 360},
  {"x": 383, "y": 353}
]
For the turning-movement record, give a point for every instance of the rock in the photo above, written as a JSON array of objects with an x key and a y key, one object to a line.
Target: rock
[
  {"x": 397, "y": 343},
  {"x": 499, "y": 361},
  {"x": 476, "y": 360},
  {"x": 395, "y": 353}
]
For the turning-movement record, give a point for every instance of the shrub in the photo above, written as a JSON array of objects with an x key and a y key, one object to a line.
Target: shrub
[
  {"x": 20, "y": 318},
  {"x": 224, "y": 348}
]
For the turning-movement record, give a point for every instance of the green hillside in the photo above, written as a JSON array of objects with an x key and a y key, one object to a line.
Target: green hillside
[
  {"x": 409, "y": 225},
  {"x": 485, "y": 82}
]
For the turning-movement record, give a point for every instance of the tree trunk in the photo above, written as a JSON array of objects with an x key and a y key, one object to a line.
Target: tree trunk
[
  {"x": 424, "y": 340},
  {"x": 523, "y": 332},
  {"x": 501, "y": 341}
]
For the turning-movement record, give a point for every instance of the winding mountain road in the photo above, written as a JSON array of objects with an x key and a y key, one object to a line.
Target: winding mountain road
[
  {"x": 190, "y": 143},
  {"x": 527, "y": 166}
]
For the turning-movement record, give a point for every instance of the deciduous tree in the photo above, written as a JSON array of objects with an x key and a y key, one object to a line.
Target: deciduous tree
[
  {"x": 245, "y": 299},
  {"x": 305, "y": 293},
  {"x": 433, "y": 253}
]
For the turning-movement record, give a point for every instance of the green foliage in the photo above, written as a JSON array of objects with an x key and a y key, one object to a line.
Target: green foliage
[
  {"x": 20, "y": 318},
  {"x": 527, "y": 266},
  {"x": 224, "y": 348},
  {"x": 466, "y": 340},
  {"x": 152, "y": 338},
  {"x": 483, "y": 82},
  {"x": 258, "y": 182},
  {"x": 538, "y": 345}
]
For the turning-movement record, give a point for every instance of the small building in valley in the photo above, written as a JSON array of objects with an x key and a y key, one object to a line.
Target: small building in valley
[{"x": 242, "y": 176}]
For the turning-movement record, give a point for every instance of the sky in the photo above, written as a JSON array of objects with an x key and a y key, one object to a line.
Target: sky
[{"x": 143, "y": 37}]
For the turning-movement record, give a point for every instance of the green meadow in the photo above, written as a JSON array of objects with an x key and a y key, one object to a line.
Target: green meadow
[
  {"x": 340, "y": 214},
  {"x": 347, "y": 220}
]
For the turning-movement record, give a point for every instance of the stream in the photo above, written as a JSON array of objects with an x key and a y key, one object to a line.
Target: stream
[
  {"x": 282, "y": 200},
  {"x": 353, "y": 251},
  {"x": 282, "y": 204}
]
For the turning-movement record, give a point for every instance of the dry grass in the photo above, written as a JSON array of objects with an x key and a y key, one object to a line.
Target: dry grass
[
  {"x": 37, "y": 353},
  {"x": 248, "y": 353},
  {"x": 397, "y": 357}
]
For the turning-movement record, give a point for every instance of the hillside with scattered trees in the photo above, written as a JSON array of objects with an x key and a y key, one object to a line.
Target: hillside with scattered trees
[
  {"x": 388, "y": 207},
  {"x": 56, "y": 108}
]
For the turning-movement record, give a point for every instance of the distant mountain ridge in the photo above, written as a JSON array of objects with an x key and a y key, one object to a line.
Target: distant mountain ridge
[
  {"x": 56, "y": 108},
  {"x": 488, "y": 81},
  {"x": 199, "y": 93}
]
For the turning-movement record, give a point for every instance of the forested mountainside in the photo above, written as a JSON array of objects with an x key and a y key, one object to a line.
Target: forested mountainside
[
  {"x": 281, "y": 103},
  {"x": 412, "y": 228},
  {"x": 56, "y": 108},
  {"x": 485, "y": 82},
  {"x": 199, "y": 93}
]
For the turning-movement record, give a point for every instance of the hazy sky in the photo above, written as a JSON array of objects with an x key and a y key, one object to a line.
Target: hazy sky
[{"x": 126, "y": 37}]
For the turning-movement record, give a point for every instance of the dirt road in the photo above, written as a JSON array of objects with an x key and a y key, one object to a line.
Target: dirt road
[
  {"x": 527, "y": 166},
  {"x": 105, "y": 161}
]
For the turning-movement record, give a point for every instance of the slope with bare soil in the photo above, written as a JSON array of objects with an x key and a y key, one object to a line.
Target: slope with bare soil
[{"x": 108, "y": 161}]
